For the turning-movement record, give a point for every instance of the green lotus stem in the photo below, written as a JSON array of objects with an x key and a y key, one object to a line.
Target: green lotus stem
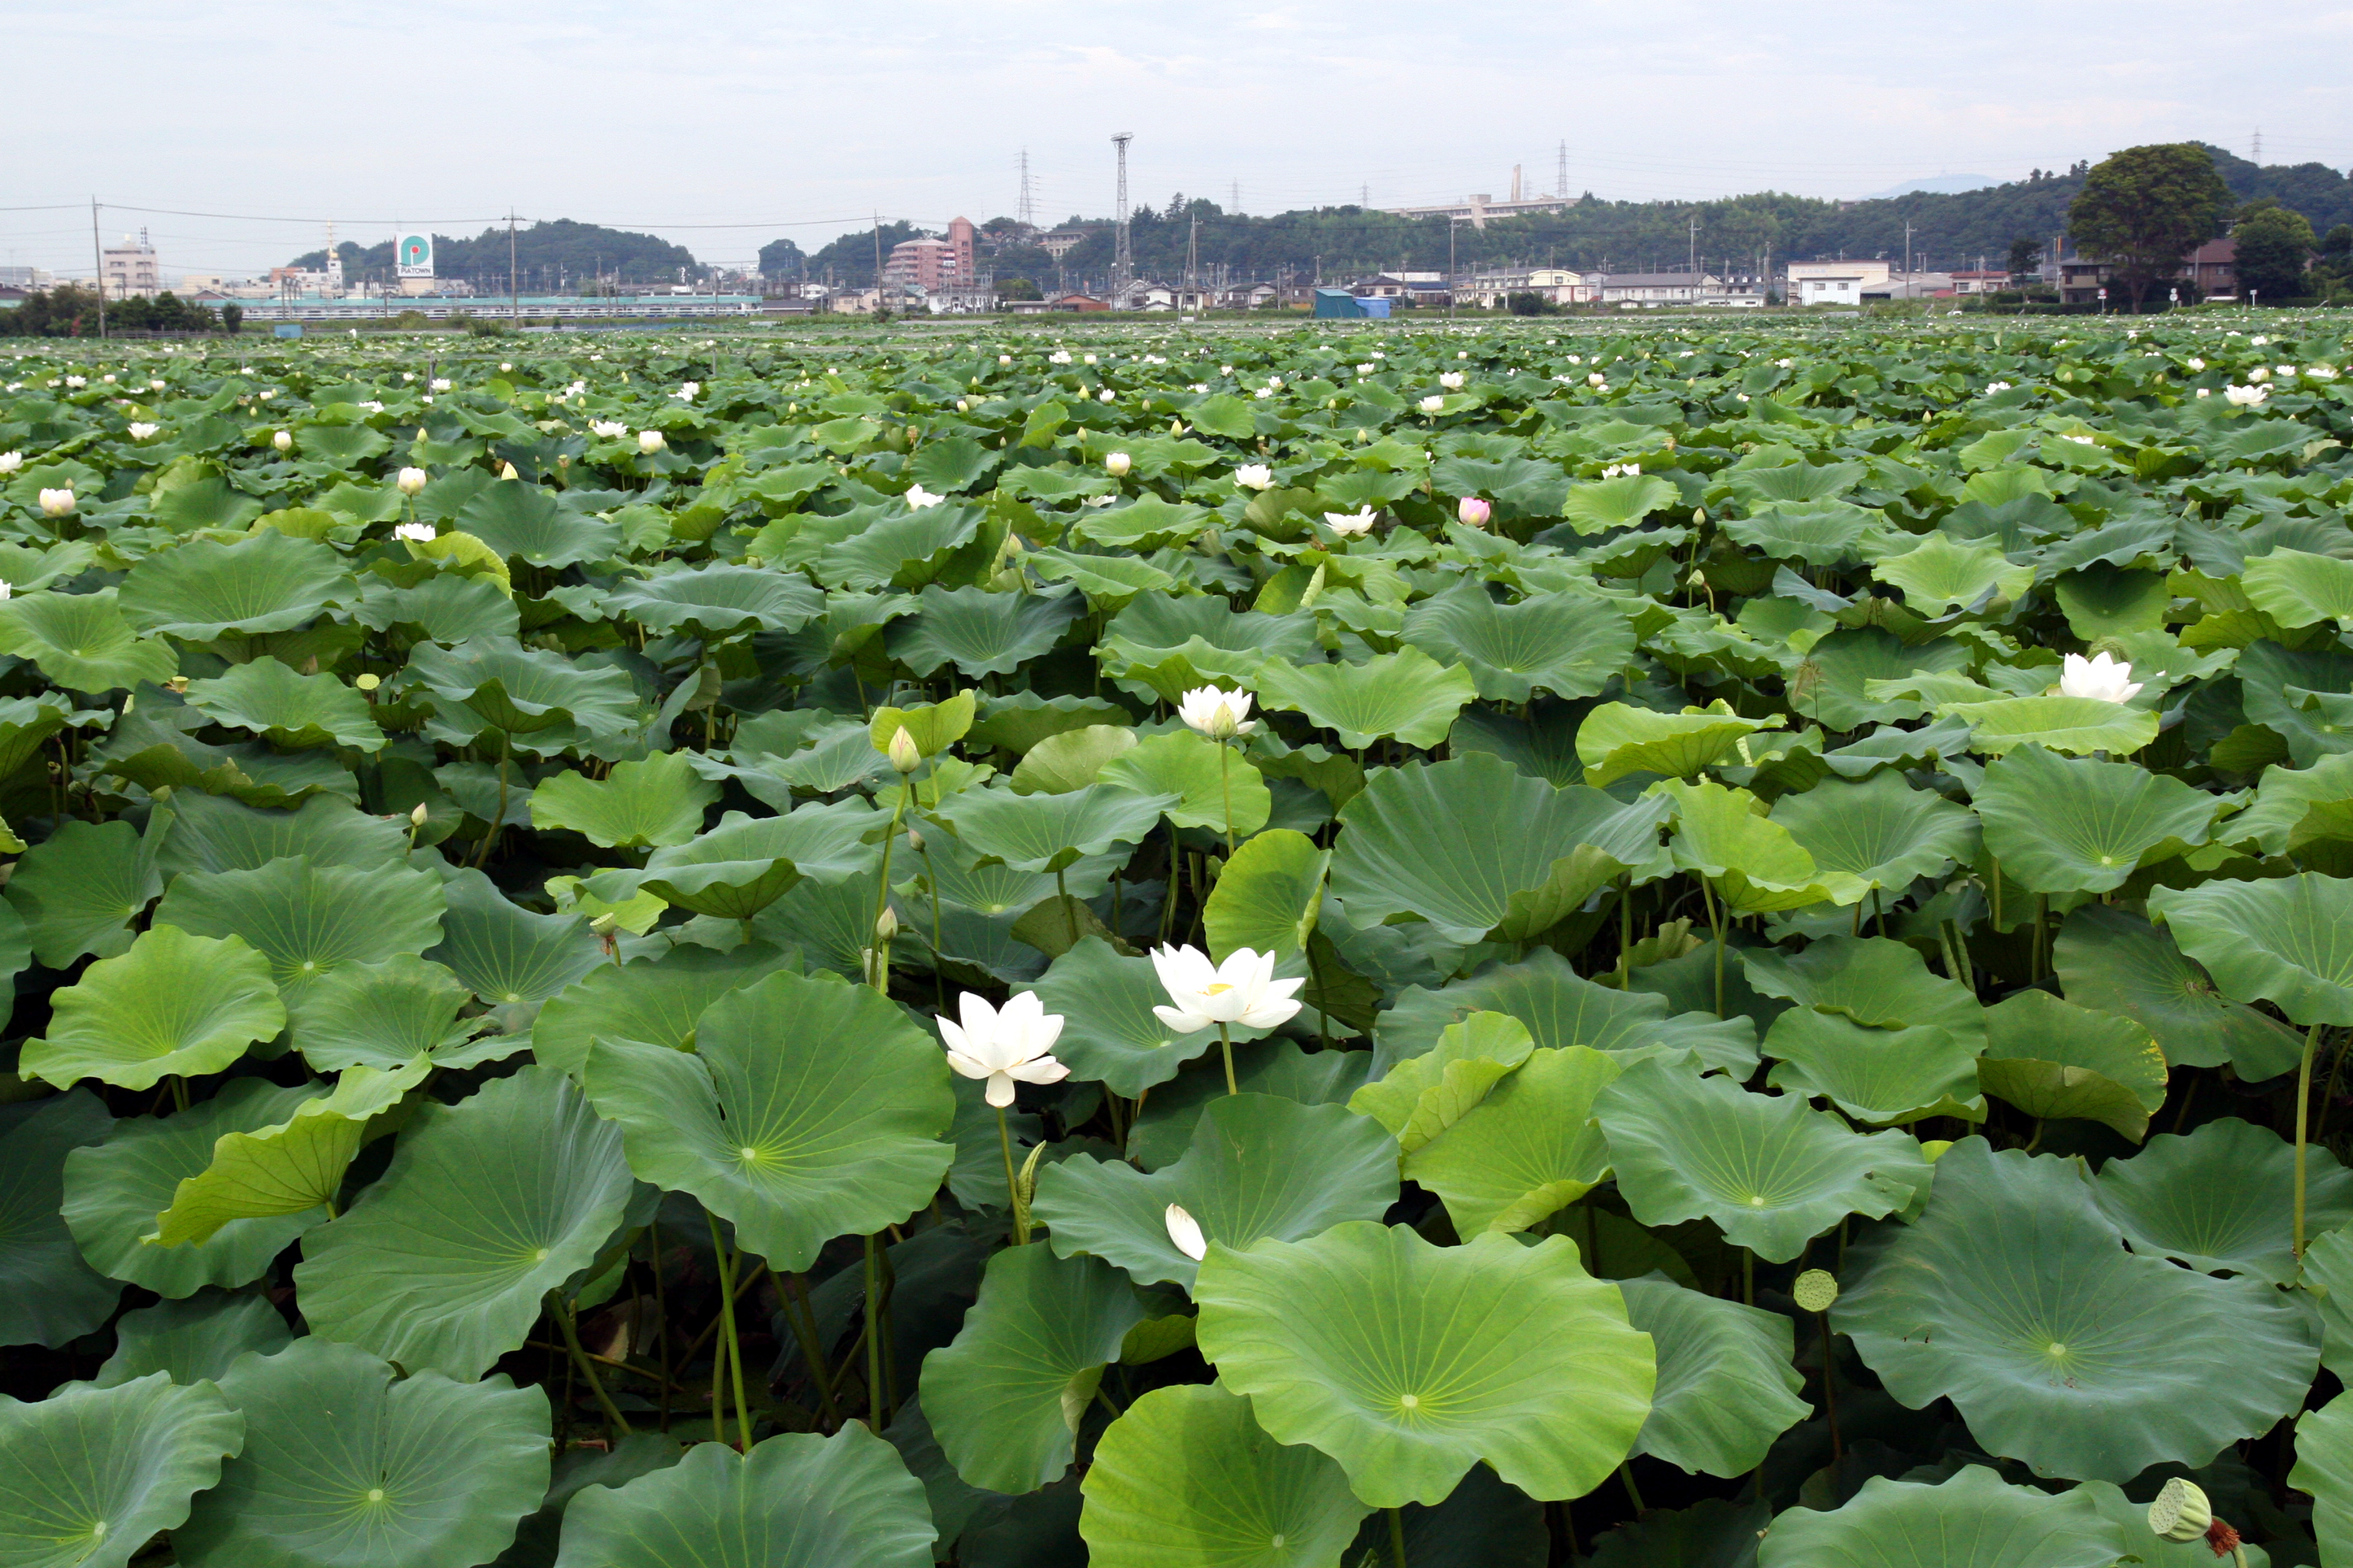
[
  {"x": 1226, "y": 1041},
  {"x": 939, "y": 970},
  {"x": 1747, "y": 1278},
  {"x": 1625, "y": 930},
  {"x": 1633, "y": 1493},
  {"x": 2302, "y": 1111},
  {"x": 730, "y": 1354},
  {"x": 882, "y": 890},
  {"x": 1715, "y": 924},
  {"x": 1012, "y": 1186},
  {"x": 1830, "y": 1384},
  {"x": 490, "y": 839},
  {"x": 2041, "y": 919},
  {"x": 561, "y": 1310},
  {"x": 875, "y": 1418},
  {"x": 1225, "y": 787},
  {"x": 1997, "y": 893},
  {"x": 1069, "y": 916},
  {"x": 804, "y": 1316},
  {"x": 661, "y": 1313},
  {"x": 1397, "y": 1536},
  {"x": 1323, "y": 1019}
]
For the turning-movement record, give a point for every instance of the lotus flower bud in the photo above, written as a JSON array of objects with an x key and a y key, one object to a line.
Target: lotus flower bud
[
  {"x": 904, "y": 754},
  {"x": 1473, "y": 511},
  {"x": 506, "y": 471},
  {"x": 2180, "y": 1511},
  {"x": 1814, "y": 1290},
  {"x": 1184, "y": 1231},
  {"x": 412, "y": 480},
  {"x": 283, "y": 441},
  {"x": 416, "y": 817},
  {"x": 886, "y": 924},
  {"x": 57, "y": 503},
  {"x": 650, "y": 441},
  {"x": 915, "y": 841},
  {"x": 1117, "y": 464}
]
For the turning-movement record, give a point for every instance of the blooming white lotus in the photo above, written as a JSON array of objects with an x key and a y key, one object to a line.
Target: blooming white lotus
[
  {"x": 650, "y": 441},
  {"x": 141, "y": 431},
  {"x": 1005, "y": 1045},
  {"x": 1597, "y": 379},
  {"x": 2103, "y": 676},
  {"x": 1433, "y": 403},
  {"x": 2258, "y": 373},
  {"x": 416, "y": 532},
  {"x": 689, "y": 391},
  {"x": 2196, "y": 363},
  {"x": 1117, "y": 465},
  {"x": 442, "y": 384},
  {"x": 1996, "y": 386},
  {"x": 1366, "y": 368},
  {"x": 57, "y": 503},
  {"x": 1185, "y": 1233},
  {"x": 283, "y": 441},
  {"x": 1350, "y": 524},
  {"x": 2247, "y": 396},
  {"x": 1242, "y": 990},
  {"x": 79, "y": 381},
  {"x": 918, "y": 498},
  {"x": 1059, "y": 356},
  {"x": 412, "y": 480},
  {"x": 1106, "y": 396},
  {"x": 609, "y": 429},
  {"x": 1219, "y": 714},
  {"x": 1249, "y": 476},
  {"x": 11, "y": 461},
  {"x": 1452, "y": 380}
]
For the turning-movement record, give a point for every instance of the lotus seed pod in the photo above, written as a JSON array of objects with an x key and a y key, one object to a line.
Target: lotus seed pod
[
  {"x": 904, "y": 754},
  {"x": 2180, "y": 1511},
  {"x": 1815, "y": 1290},
  {"x": 367, "y": 682}
]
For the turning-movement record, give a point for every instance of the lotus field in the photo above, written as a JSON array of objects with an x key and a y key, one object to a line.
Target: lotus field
[{"x": 1653, "y": 945}]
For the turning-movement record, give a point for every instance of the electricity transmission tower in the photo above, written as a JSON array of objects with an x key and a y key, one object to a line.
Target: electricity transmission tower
[
  {"x": 1122, "y": 265},
  {"x": 1560, "y": 184},
  {"x": 1027, "y": 211}
]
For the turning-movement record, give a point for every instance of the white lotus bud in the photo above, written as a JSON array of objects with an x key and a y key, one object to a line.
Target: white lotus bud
[
  {"x": 1184, "y": 1231},
  {"x": 650, "y": 441},
  {"x": 417, "y": 817},
  {"x": 886, "y": 925},
  {"x": 1117, "y": 465},
  {"x": 283, "y": 441},
  {"x": 57, "y": 503},
  {"x": 412, "y": 480},
  {"x": 904, "y": 754}
]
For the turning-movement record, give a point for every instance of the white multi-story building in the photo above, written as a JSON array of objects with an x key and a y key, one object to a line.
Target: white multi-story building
[
  {"x": 1835, "y": 282},
  {"x": 128, "y": 269}
]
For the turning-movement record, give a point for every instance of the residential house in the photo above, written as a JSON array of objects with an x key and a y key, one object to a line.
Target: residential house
[
  {"x": 2211, "y": 272},
  {"x": 1910, "y": 286},
  {"x": 1832, "y": 282},
  {"x": 129, "y": 269},
  {"x": 1408, "y": 288},
  {"x": 1986, "y": 281},
  {"x": 1083, "y": 303},
  {"x": 1650, "y": 291},
  {"x": 1554, "y": 285},
  {"x": 1248, "y": 297}
]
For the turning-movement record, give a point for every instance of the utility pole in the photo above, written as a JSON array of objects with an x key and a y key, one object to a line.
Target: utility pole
[
  {"x": 515, "y": 287},
  {"x": 1122, "y": 266},
  {"x": 1694, "y": 252},
  {"x": 1908, "y": 248},
  {"x": 98, "y": 266},
  {"x": 878, "y": 260}
]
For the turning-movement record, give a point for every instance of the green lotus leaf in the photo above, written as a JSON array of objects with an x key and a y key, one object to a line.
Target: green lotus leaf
[
  {"x": 1940, "y": 573},
  {"x": 1268, "y": 897},
  {"x": 516, "y": 519},
  {"x": 655, "y": 999},
  {"x": 2295, "y": 808},
  {"x": 745, "y": 864},
  {"x": 1820, "y": 532},
  {"x": 1879, "y": 830},
  {"x": 1768, "y": 1169},
  {"x": 206, "y": 590},
  {"x": 289, "y": 1168},
  {"x": 1185, "y": 1479},
  {"x": 1880, "y": 1076},
  {"x": 172, "y": 1003},
  {"x": 1617, "y": 740},
  {"x": 1050, "y": 832},
  {"x": 2061, "y": 825},
  {"x": 49, "y": 1293},
  {"x": 220, "y": 832},
  {"x": 193, "y": 1340},
  {"x": 1604, "y": 505},
  {"x": 808, "y": 1108},
  {"x": 1711, "y": 1534},
  {"x": 83, "y": 641},
  {"x": 659, "y": 801},
  {"x": 1422, "y": 1096},
  {"x": 347, "y": 1462},
  {"x": 2052, "y": 1058},
  {"x": 381, "y": 1014},
  {"x": 2012, "y": 1297},
  {"x": 309, "y": 921},
  {"x": 1006, "y": 1397},
  {"x": 115, "y": 1190},
  {"x": 2270, "y": 941},
  {"x": 1406, "y": 696},
  {"x": 27, "y": 724},
  {"x": 1839, "y": 677},
  {"x": 1872, "y": 980},
  {"x": 1110, "y": 1033},
  {"x": 1072, "y": 759},
  {"x": 1530, "y": 1148},
  {"x": 2112, "y": 961},
  {"x": 446, "y": 608},
  {"x": 1726, "y": 1389},
  {"x": 287, "y": 710},
  {"x": 2076, "y": 725},
  {"x": 504, "y": 953},
  {"x": 980, "y": 632},
  {"x": 1568, "y": 644},
  {"x": 1562, "y": 1008},
  {"x": 2298, "y": 589},
  {"x": 714, "y": 600},
  {"x": 1259, "y": 1165},
  {"x": 2223, "y": 1198},
  {"x": 494, "y": 684},
  {"x": 488, "y": 1204},
  {"x": 1142, "y": 525},
  {"x": 1409, "y": 1362},
  {"x": 95, "y": 1473},
  {"x": 933, "y": 726},
  {"x": 951, "y": 464},
  {"x": 1473, "y": 846},
  {"x": 2324, "y": 1467},
  {"x": 1972, "y": 1521},
  {"x": 796, "y": 1500},
  {"x": 1213, "y": 788},
  {"x": 1754, "y": 863},
  {"x": 79, "y": 890}
]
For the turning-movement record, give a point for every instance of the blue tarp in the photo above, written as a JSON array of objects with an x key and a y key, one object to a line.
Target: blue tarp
[{"x": 1340, "y": 302}]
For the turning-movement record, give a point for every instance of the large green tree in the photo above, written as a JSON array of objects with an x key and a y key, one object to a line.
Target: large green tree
[
  {"x": 2274, "y": 244},
  {"x": 2145, "y": 208}
]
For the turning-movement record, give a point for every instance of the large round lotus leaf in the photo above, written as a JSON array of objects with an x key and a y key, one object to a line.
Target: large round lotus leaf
[
  {"x": 287, "y": 709},
  {"x": 115, "y": 1190},
  {"x": 522, "y": 520},
  {"x": 494, "y": 683},
  {"x": 1820, "y": 532},
  {"x": 173, "y": 1004},
  {"x": 1405, "y": 696},
  {"x": 654, "y": 999},
  {"x": 2113, "y": 960},
  {"x": 1423, "y": 1096},
  {"x": 2297, "y": 810},
  {"x": 1214, "y": 788},
  {"x": 638, "y": 806},
  {"x": 980, "y": 632},
  {"x": 487, "y": 1206},
  {"x": 220, "y": 832},
  {"x": 289, "y": 1167},
  {"x": 1617, "y": 739},
  {"x": 1972, "y": 1521},
  {"x": 348, "y": 1465},
  {"x": 309, "y": 921},
  {"x": 1568, "y": 644},
  {"x": 1941, "y": 574},
  {"x": 194, "y": 1339},
  {"x": 504, "y": 953},
  {"x": 2276, "y": 941},
  {"x": 1474, "y": 846},
  {"x": 795, "y": 1501},
  {"x": 1110, "y": 1033},
  {"x": 1605, "y": 505},
  {"x": 1144, "y": 524},
  {"x": 2012, "y": 1297},
  {"x": 1879, "y": 1075},
  {"x": 1768, "y": 1169},
  {"x": 1726, "y": 1388},
  {"x": 2224, "y": 1199},
  {"x": 49, "y": 1293},
  {"x": 379, "y": 1014},
  {"x": 808, "y": 1109},
  {"x": 1258, "y": 1166},
  {"x": 2324, "y": 1467},
  {"x": 1185, "y": 1479},
  {"x": 1753, "y": 862},
  {"x": 92, "y": 1474},
  {"x": 1409, "y": 1362},
  {"x": 745, "y": 864},
  {"x": 1005, "y": 1398},
  {"x": 1070, "y": 759},
  {"x": 1710, "y": 1534},
  {"x": 711, "y": 601},
  {"x": 1880, "y": 830},
  {"x": 1874, "y": 981},
  {"x": 266, "y": 582},
  {"x": 83, "y": 641},
  {"x": 2076, "y": 725},
  {"x": 2054, "y": 1060},
  {"x": 1527, "y": 1150},
  {"x": 2062, "y": 825},
  {"x": 1268, "y": 897},
  {"x": 80, "y": 888},
  {"x": 445, "y": 608},
  {"x": 1562, "y": 1008},
  {"x": 1050, "y": 832}
]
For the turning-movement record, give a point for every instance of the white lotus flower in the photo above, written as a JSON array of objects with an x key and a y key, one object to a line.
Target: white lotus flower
[
  {"x": 11, "y": 461},
  {"x": 1995, "y": 387},
  {"x": 1219, "y": 714},
  {"x": 79, "y": 381},
  {"x": 2196, "y": 363},
  {"x": 1059, "y": 356},
  {"x": 1117, "y": 464},
  {"x": 608, "y": 429},
  {"x": 441, "y": 384},
  {"x": 2321, "y": 372},
  {"x": 2247, "y": 396},
  {"x": 141, "y": 432},
  {"x": 1366, "y": 368},
  {"x": 918, "y": 498},
  {"x": 1597, "y": 379},
  {"x": 1184, "y": 1232},
  {"x": 689, "y": 391},
  {"x": 2103, "y": 676},
  {"x": 1433, "y": 403},
  {"x": 650, "y": 441},
  {"x": 1005, "y": 1045},
  {"x": 416, "y": 532},
  {"x": 1452, "y": 380},
  {"x": 1263, "y": 393},
  {"x": 1249, "y": 476},
  {"x": 2258, "y": 340},
  {"x": 412, "y": 480},
  {"x": 57, "y": 503},
  {"x": 1090, "y": 359},
  {"x": 1243, "y": 990},
  {"x": 1004, "y": 359},
  {"x": 1106, "y": 396},
  {"x": 155, "y": 386},
  {"x": 283, "y": 441},
  {"x": 1350, "y": 524},
  {"x": 108, "y": 379}
]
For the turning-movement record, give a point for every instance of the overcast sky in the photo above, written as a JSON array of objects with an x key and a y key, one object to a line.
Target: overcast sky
[{"x": 722, "y": 127}]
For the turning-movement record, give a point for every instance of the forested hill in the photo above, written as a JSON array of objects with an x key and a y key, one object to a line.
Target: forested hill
[{"x": 545, "y": 254}]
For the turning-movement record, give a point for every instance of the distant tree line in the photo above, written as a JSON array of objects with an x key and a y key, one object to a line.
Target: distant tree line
[
  {"x": 70, "y": 311},
  {"x": 548, "y": 256}
]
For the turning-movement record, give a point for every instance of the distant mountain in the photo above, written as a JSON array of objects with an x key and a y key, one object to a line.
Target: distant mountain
[{"x": 1943, "y": 185}]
